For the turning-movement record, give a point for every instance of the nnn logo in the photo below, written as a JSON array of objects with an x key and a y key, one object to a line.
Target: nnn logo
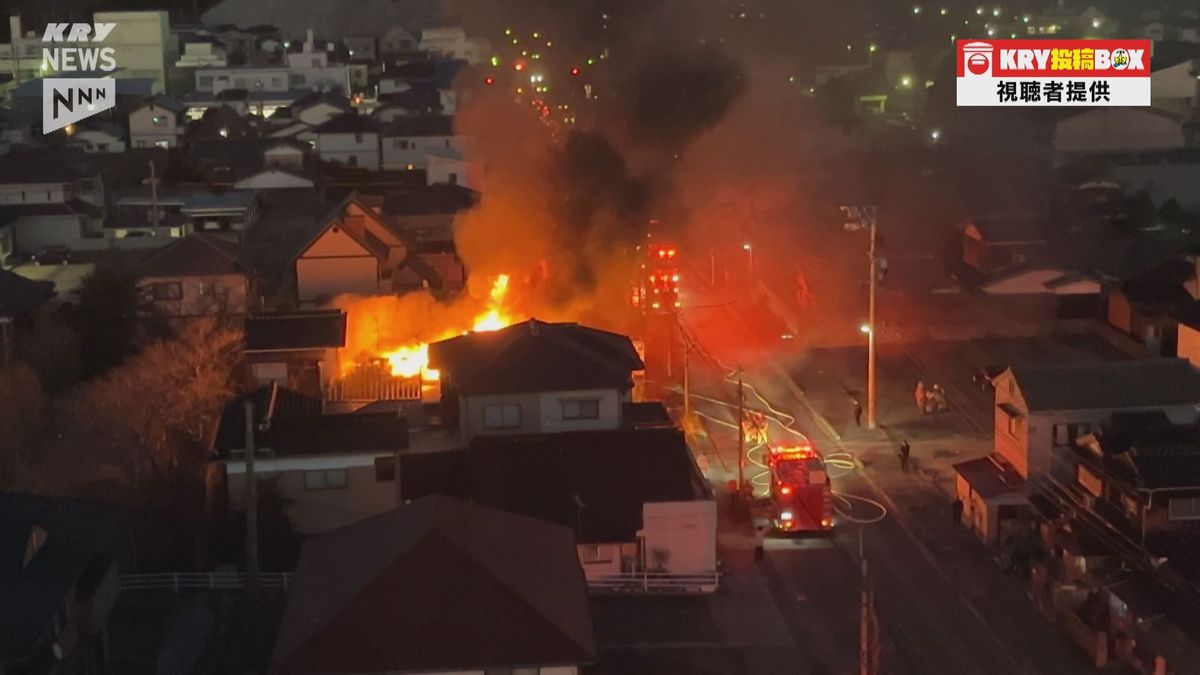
[{"x": 66, "y": 100}]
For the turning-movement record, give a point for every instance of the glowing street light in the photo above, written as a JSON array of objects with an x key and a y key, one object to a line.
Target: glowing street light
[
  {"x": 865, "y": 329},
  {"x": 916, "y": 9},
  {"x": 935, "y": 135}
]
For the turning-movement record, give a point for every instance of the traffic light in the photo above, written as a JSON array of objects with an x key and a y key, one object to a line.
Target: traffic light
[
  {"x": 576, "y": 71},
  {"x": 489, "y": 80}
]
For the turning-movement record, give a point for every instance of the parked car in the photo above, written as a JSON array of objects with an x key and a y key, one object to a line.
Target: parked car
[
  {"x": 53, "y": 255},
  {"x": 984, "y": 376}
]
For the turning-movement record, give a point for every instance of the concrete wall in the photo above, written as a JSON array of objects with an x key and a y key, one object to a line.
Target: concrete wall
[
  {"x": 540, "y": 412},
  {"x": 317, "y": 511},
  {"x": 202, "y": 296},
  {"x": 360, "y": 150},
  {"x": 318, "y": 278},
  {"x": 37, "y": 232},
  {"x": 685, "y": 531},
  {"x": 417, "y": 150}
]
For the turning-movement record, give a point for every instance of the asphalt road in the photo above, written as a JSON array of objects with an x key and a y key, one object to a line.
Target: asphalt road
[{"x": 929, "y": 609}]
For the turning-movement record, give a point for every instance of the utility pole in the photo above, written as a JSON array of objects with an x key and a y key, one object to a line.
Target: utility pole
[
  {"x": 871, "y": 390},
  {"x": 251, "y": 499},
  {"x": 741, "y": 396},
  {"x": 687, "y": 389},
  {"x": 153, "y": 198},
  {"x": 867, "y": 664}
]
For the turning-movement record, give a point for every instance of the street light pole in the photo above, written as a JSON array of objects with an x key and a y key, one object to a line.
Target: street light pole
[
  {"x": 871, "y": 384},
  {"x": 749, "y": 249}
]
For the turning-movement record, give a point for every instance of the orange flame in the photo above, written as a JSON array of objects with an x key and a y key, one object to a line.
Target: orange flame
[{"x": 413, "y": 360}]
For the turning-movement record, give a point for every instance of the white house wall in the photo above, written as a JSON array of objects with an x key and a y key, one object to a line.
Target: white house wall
[{"x": 685, "y": 531}]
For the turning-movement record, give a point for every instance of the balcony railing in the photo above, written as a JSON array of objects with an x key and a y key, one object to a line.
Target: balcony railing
[
  {"x": 655, "y": 582},
  {"x": 201, "y": 581}
]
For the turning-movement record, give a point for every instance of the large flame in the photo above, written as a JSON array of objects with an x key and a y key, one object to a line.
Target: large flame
[{"x": 413, "y": 360}]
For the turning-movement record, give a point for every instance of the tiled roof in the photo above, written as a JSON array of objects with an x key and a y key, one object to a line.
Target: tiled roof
[
  {"x": 1147, "y": 383},
  {"x": 596, "y": 481},
  {"x": 536, "y": 356},
  {"x": 436, "y": 585},
  {"x": 201, "y": 254}
]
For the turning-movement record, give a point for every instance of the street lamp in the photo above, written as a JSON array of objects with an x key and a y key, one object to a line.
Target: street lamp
[{"x": 750, "y": 256}]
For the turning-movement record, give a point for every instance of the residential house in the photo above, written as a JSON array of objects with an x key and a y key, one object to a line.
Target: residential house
[
  {"x": 19, "y": 299},
  {"x": 994, "y": 498},
  {"x": 360, "y": 47},
  {"x": 202, "y": 52},
  {"x": 1144, "y": 306},
  {"x": 220, "y": 122},
  {"x": 330, "y": 469},
  {"x": 16, "y": 128},
  {"x": 373, "y": 17},
  {"x": 300, "y": 350},
  {"x": 349, "y": 139},
  {"x": 1187, "y": 345},
  {"x": 997, "y": 242},
  {"x": 98, "y": 137},
  {"x": 48, "y": 198},
  {"x": 1113, "y": 129},
  {"x": 1034, "y": 279},
  {"x": 313, "y": 109},
  {"x": 266, "y": 89},
  {"x": 158, "y": 123},
  {"x": 419, "y": 100},
  {"x": 535, "y": 377},
  {"x": 250, "y": 161},
  {"x": 58, "y": 583},
  {"x": 357, "y": 251},
  {"x": 196, "y": 276},
  {"x": 1043, "y": 410},
  {"x": 635, "y": 498},
  {"x": 1146, "y": 472},
  {"x": 448, "y": 166},
  {"x": 451, "y": 42},
  {"x": 438, "y": 586},
  {"x": 409, "y": 140},
  {"x": 1176, "y": 88}
]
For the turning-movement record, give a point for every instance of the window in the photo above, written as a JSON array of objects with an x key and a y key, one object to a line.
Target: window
[
  {"x": 157, "y": 144},
  {"x": 401, "y": 144},
  {"x": 206, "y": 82},
  {"x": 276, "y": 82},
  {"x": 1014, "y": 425},
  {"x": 316, "y": 63},
  {"x": 1065, "y": 435},
  {"x": 447, "y": 142},
  {"x": 159, "y": 120},
  {"x": 385, "y": 469},
  {"x": 167, "y": 291},
  {"x": 502, "y": 416},
  {"x": 266, "y": 373},
  {"x": 452, "y": 179},
  {"x": 296, "y": 80},
  {"x": 239, "y": 82},
  {"x": 353, "y": 161},
  {"x": 358, "y": 137},
  {"x": 208, "y": 289},
  {"x": 581, "y": 409},
  {"x": 102, "y": 147},
  {"x": 326, "y": 479},
  {"x": 595, "y": 553},
  {"x": 1184, "y": 508}
]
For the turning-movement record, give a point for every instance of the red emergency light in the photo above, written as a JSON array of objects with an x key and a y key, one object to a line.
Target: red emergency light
[{"x": 799, "y": 451}]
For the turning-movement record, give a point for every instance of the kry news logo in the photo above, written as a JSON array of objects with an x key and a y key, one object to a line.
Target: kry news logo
[{"x": 66, "y": 100}]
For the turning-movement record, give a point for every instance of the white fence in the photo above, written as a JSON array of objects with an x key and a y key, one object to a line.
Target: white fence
[
  {"x": 655, "y": 582},
  {"x": 201, "y": 581}
]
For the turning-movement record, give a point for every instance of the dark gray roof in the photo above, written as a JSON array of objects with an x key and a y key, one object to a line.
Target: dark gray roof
[
  {"x": 1147, "y": 383},
  {"x": 437, "y": 585},
  {"x": 42, "y": 165},
  {"x": 294, "y": 331},
  {"x": 1155, "y": 457},
  {"x": 613, "y": 474},
  {"x": 76, "y": 530},
  {"x": 536, "y": 356},
  {"x": 421, "y": 125},
  {"x": 201, "y": 254},
  {"x": 349, "y": 123},
  {"x": 271, "y": 403}
]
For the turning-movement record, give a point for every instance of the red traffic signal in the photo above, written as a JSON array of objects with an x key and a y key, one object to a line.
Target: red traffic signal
[
  {"x": 576, "y": 71},
  {"x": 489, "y": 80}
]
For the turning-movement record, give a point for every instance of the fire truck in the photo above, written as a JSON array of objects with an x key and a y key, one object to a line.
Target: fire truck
[
  {"x": 801, "y": 497},
  {"x": 656, "y": 289}
]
